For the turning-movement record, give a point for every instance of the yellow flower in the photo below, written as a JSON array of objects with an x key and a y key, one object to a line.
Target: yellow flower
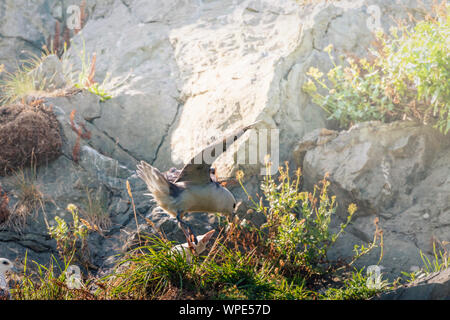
[
  {"x": 352, "y": 209},
  {"x": 239, "y": 175},
  {"x": 328, "y": 48},
  {"x": 309, "y": 86},
  {"x": 315, "y": 73},
  {"x": 331, "y": 74},
  {"x": 71, "y": 207}
]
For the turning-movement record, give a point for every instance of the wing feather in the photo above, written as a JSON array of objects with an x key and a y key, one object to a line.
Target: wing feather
[{"x": 200, "y": 172}]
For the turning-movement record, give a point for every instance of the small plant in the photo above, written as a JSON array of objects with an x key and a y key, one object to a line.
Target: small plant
[
  {"x": 30, "y": 195},
  {"x": 405, "y": 78},
  {"x": 83, "y": 78},
  {"x": 440, "y": 260},
  {"x": 298, "y": 223},
  {"x": 69, "y": 238},
  {"x": 355, "y": 287},
  {"x": 30, "y": 199},
  {"x": 24, "y": 82},
  {"x": 95, "y": 214},
  {"x": 48, "y": 283},
  {"x": 82, "y": 133},
  {"x": 29, "y": 80}
]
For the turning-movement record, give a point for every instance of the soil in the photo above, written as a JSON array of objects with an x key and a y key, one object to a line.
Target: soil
[{"x": 29, "y": 135}]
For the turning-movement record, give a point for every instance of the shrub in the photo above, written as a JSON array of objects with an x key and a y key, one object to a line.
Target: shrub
[
  {"x": 69, "y": 237},
  {"x": 298, "y": 223},
  {"x": 406, "y": 77}
]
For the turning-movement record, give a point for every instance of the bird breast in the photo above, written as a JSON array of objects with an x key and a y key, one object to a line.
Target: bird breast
[{"x": 210, "y": 197}]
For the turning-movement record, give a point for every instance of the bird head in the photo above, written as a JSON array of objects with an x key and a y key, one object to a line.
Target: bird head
[
  {"x": 203, "y": 241},
  {"x": 6, "y": 265}
]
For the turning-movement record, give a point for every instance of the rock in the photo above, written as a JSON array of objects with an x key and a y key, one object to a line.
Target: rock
[
  {"x": 87, "y": 107},
  {"x": 435, "y": 286},
  {"x": 182, "y": 73},
  {"x": 24, "y": 27},
  {"x": 196, "y": 70},
  {"x": 398, "y": 172}
]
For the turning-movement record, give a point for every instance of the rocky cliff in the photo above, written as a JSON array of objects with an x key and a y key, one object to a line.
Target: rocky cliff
[{"x": 182, "y": 72}]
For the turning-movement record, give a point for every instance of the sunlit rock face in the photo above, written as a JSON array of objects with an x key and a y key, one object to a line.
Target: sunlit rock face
[
  {"x": 182, "y": 73},
  {"x": 397, "y": 172}
]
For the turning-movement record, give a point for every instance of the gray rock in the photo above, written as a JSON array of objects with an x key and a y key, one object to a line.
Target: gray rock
[
  {"x": 436, "y": 286},
  {"x": 184, "y": 72},
  {"x": 24, "y": 25},
  {"x": 398, "y": 172}
]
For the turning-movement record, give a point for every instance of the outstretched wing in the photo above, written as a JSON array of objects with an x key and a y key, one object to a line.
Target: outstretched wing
[{"x": 197, "y": 171}]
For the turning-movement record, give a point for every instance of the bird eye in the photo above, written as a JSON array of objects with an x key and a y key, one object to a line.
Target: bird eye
[
  {"x": 5, "y": 262},
  {"x": 234, "y": 205}
]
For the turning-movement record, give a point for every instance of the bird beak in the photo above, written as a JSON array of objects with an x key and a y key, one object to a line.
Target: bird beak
[
  {"x": 238, "y": 204},
  {"x": 14, "y": 269}
]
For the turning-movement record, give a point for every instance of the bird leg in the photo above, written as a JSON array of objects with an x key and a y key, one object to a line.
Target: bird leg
[{"x": 189, "y": 234}]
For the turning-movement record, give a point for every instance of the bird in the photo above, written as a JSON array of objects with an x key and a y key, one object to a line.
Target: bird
[
  {"x": 5, "y": 265},
  {"x": 194, "y": 188},
  {"x": 190, "y": 249}
]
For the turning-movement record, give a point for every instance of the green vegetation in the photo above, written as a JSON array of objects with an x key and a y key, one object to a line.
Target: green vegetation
[
  {"x": 48, "y": 283},
  {"x": 285, "y": 258},
  {"x": 298, "y": 222},
  {"x": 83, "y": 78},
  {"x": 24, "y": 82},
  {"x": 30, "y": 199},
  {"x": 355, "y": 288},
  {"x": 95, "y": 212},
  {"x": 405, "y": 77},
  {"x": 31, "y": 81},
  {"x": 439, "y": 262},
  {"x": 70, "y": 238}
]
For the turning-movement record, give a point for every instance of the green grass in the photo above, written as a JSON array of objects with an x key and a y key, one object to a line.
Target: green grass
[
  {"x": 28, "y": 81},
  {"x": 283, "y": 259},
  {"x": 24, "y": 82},
  {"x": 354, "y": 287},
  {"x": 95, "y": 212},
  {"x": 82, "y": 76},
  {"x": 438, "y": 262},
  {"x": 39, "y": 282}
]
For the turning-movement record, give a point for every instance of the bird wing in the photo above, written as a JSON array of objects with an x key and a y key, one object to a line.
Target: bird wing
[
  {"x": 200, "y": 172},
  {"x": 172, "y": 175}
]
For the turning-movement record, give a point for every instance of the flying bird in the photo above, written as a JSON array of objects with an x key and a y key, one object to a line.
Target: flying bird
[
  {"x": 194, "y": 188},
  {"x": 5, "y": 265}
]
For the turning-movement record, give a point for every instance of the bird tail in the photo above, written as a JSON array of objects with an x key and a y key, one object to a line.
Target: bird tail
[{"x": 156, "y": 183}]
